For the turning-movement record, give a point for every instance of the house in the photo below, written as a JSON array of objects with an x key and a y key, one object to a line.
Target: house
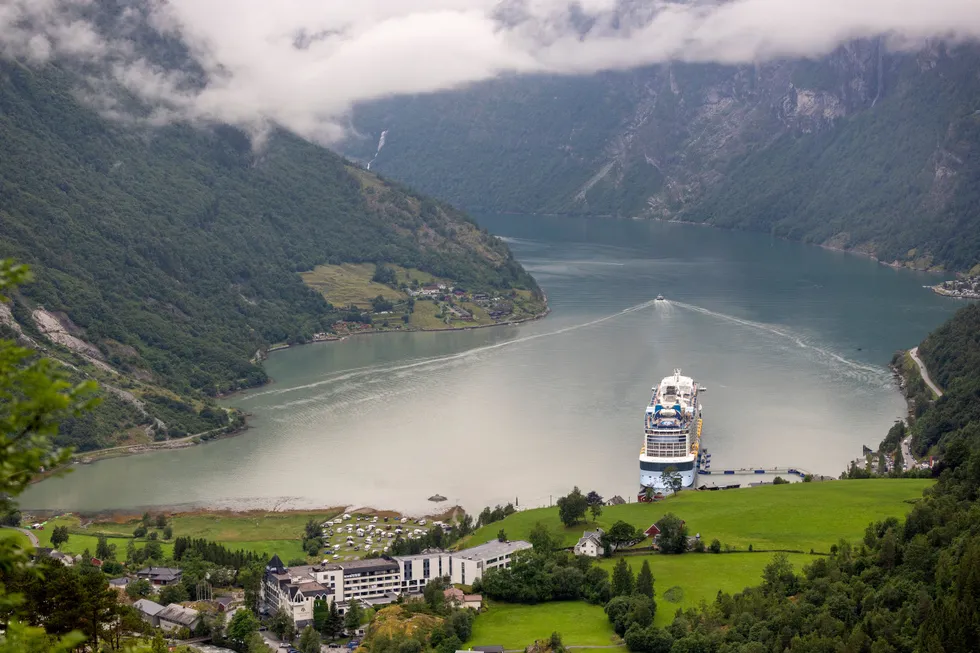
[
  {"x": 54, "y": 554},
  {"x": 616, "y": 501},
  {"x": 456, "y": 598},
  {"x": 176, "y": 616},
  {"x": 653, "y": 531},
  {"x": 148, "y": 611},
  {"x": 118, "y": 584},
  {"x": 160, "y": 576},
  {"x": 223, "y": 603},
  {"x": 590, "y": 544}
]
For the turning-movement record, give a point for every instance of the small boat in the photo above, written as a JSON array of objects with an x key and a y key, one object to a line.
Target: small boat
[{"x": 660, "y": 298}]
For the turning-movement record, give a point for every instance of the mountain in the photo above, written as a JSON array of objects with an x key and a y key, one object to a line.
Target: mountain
[
  {"x": 866, "y": 149},
  {"x": 166, "y": 258}
]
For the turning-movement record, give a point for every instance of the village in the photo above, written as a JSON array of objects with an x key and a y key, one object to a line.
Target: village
[{"x": 965, "y": 288}]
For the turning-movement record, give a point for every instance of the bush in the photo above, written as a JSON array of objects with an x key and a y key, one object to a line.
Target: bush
[{"x": 715, "y": 546}]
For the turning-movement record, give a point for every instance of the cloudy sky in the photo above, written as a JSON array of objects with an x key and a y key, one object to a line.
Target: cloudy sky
[{"x": 302, "y": 64}]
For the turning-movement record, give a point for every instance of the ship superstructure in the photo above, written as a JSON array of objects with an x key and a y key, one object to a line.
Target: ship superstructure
[{"x": 671, "y": 435}]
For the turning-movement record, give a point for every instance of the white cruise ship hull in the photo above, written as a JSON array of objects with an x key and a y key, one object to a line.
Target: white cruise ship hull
[{"x": 672, "y": 437}]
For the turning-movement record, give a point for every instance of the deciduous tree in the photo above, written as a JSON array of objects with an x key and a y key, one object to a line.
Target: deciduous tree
[{"x": 571, "y": 508}]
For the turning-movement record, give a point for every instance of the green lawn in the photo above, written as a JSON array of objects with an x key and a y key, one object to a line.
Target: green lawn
[
  {"x": 700, "y": 576},
  {"x": 799, "y": 516},
  {"x": 515, "y": 626},
  {"x": 10, "y": 534},
  {"x": 78, "y": 543}
]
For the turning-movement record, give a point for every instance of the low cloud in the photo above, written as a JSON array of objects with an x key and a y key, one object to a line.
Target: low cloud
[{"x": 302, "y": 64}]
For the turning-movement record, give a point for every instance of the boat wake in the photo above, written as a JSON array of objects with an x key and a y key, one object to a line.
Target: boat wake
[
  {"x": 868, "y": 372},
  {"x": 440, "y": 361}
]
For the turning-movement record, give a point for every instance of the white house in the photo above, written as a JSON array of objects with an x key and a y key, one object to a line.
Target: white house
[{"x": 590, "y": 544}]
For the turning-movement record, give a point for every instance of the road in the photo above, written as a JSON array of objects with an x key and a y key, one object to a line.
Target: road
[
  {"x": 914, "y": 353},
  {"x": 31, "y": 536}
]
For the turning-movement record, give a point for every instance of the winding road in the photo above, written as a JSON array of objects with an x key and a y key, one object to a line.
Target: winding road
[
  {"x": 31, "y": 536},
  {"x": 914, "y": 353}
]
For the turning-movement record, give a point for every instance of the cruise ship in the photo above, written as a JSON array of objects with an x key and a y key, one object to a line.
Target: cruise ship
[{"x": 671, "y": 434}]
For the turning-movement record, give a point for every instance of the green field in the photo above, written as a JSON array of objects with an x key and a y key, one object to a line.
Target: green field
[
  {"x": 700, "y": 576},
  {"x": 515, "y": 626},
  {"x": 264, "y": 533},
  {"x": 10, "y": 534},
  {"x": 799, "y": 516}
]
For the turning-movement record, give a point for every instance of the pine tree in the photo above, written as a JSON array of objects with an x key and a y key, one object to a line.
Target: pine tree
[
  {"x": 644, "y": 580},
  {"x": 622, "y": 579},
  {"x": 334, "y": 621}
]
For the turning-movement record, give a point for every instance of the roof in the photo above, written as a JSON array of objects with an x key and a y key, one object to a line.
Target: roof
[
  {"x": 617, "y": 501},
  {"x": 275, "y": 562},
  {"x": 368, "y": 566},
  {"x": 224, "y": 600},
  {"x": 148, "y": 607},
  {"x": 453, "y": 593},
  {"x": 119, "y": 582},
  {"x": 489, "y": 649},
  {"x": 492, "y": 549},
  {"x": 178, "y": 614},
  {"x": 472, "y": 597},
  {"x": 160, "y": 573}
]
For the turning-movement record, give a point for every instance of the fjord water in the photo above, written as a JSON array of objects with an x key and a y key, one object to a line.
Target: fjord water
[{"x": 791, "y": 340}]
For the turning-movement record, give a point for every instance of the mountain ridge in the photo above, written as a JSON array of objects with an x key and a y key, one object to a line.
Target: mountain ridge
[
  {"x": 164, "y": 258},
  {"x": 866, "y": 149}
]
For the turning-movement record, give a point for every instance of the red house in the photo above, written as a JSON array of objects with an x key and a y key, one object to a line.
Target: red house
[{"x": 653, "y": 531}]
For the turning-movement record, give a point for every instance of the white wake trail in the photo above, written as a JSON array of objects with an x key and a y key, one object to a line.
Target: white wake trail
[
  {"x": 878, "y": 372},
  {"x": 437, "y": 360}
]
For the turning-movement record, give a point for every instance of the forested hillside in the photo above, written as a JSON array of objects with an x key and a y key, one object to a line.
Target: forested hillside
[
  {"x": 165, "y": 258},
  {"x": 865, "y": 149},
  {"x": 952, "y": 355}
]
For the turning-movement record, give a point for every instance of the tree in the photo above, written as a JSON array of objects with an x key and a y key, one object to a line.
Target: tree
[
  {"x": 595, "y": 502},
  {"x": 59, "y": 535},
  {"x": 281, "y": 624},
  {"x": 139, "y": 531},
  {"x": 147, "y": 519},
  {"x": 673, "y": 534},
  {"x": 309, "y": 640},
  {"x": 623, "y": 534},
  {"x": 161, "y": 521},
  {"x": 168, "y": 532},
  {"x": 501, "y": 535},
  {"x": 672, "y": 479},
  {"x": 250, "y": 578},
  {"x": 715, "y": 546},
  {"x": 153, "y": 551},
  {"x": 622, "y": 579},
  {"x": 355, "y": 613},
  {"x": 335, "y": 622},
  {"x": 103, "y": 550},
  {"x": 139, "y": 589},
  {"x": 644, "y": 580},
  {"x": 542, "y": 539},
  {"x": 572, "y": 508},
  {"x": 241, "y": 627},
  {"x": 555, "y": 643},
  {"x": 899, "y": 463},
  {"x": 175, "y": 593}
]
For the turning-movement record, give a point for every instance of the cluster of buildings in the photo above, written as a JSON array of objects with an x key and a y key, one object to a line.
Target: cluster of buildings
[
  {"x": 966, "y": 288},
  {"x": 376, "y": 581}
]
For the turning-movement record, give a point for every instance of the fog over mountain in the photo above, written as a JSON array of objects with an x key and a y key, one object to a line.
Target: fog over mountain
[{"x": 302, "y": 64}]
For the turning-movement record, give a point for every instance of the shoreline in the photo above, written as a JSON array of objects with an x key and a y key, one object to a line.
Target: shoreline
[{"x": 121, "y": 451}]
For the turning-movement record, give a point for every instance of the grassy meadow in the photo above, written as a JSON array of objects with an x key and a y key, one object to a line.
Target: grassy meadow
[
  {"x": 798, "y": 516},
  {"x": 515, "y": 626},
  {"x": 264, "y": 533},
  {"x": 699, "y": 577}
]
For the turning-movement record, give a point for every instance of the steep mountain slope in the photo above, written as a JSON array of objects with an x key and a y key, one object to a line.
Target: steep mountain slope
[
  {"x": 166, "y": 258},
  {"x": 865, "y": 149}
]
